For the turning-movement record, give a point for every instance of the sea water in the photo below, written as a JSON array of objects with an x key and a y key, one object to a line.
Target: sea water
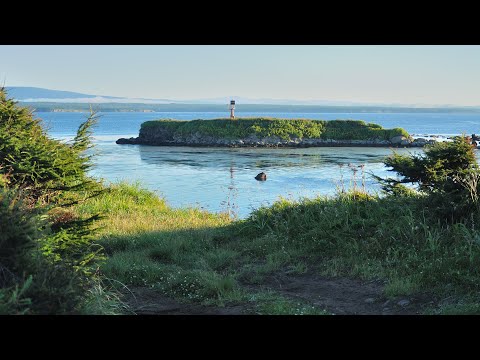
[{"x": 223, "y": 179}]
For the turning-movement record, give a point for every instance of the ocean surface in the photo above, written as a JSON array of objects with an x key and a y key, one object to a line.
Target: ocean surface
[{"x": 222, "y": 180}]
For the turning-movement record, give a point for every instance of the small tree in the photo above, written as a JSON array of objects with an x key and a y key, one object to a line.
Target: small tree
[
  {"x": 41, "y": 235},
  {"x": 47, "y": 171},
  {"x": 446, "y": 172}
]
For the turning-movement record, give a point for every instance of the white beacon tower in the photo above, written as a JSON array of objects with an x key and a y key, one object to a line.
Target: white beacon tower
[{"x": 232, "y": 109}]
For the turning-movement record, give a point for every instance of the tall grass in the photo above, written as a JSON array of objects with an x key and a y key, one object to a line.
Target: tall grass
[
  {"x": 172, "y": 250},
  {"x": 201, "y": 257},
  {"x": 367, "y": 236}
]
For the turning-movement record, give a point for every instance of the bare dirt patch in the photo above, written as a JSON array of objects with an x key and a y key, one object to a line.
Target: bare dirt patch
[{"x": 343, "y": 296}]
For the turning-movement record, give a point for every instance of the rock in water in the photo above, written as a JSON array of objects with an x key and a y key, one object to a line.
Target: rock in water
[
  {"x": 121, "y": 141},
  {"x": 261, "y": 177}
]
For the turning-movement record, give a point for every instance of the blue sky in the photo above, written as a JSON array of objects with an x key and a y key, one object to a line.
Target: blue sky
[{"x": 434, "y": 75}]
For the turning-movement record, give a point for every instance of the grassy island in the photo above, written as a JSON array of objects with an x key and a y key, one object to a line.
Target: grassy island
[
  {"x": 270, "y": 130},
  {"x": 283, "y": 128}
]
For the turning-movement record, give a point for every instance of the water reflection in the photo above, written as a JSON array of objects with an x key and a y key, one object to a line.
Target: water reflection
[
  {"x": 230, "y": 204},
  {"x": 219, "y": 179},
  {"x": 223, "y": 180},
  {"x": 259, "y": 158}
]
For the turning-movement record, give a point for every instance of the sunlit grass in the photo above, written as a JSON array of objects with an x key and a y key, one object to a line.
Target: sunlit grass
[
  {"x": 150, "y": 244},
  {"x": 129, "y": 209}
]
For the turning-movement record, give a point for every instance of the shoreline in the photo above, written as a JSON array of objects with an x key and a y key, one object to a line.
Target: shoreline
[{"x": 306, "y": 143}]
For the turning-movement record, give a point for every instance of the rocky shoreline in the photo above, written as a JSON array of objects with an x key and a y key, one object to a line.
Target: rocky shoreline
[{"x": 163, "y": 138}]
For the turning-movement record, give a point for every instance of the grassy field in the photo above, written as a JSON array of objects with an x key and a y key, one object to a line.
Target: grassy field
[
  {"x": 283, "y": 128},
  {"x": 198, "y": 257}
]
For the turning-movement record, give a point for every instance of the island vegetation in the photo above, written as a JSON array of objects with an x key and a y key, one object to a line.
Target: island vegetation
[
  {"x": 267, "y": 132},
  {"x": 71, "y": 244}
]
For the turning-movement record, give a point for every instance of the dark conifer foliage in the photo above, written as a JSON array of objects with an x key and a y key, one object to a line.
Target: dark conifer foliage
[{"x": 47, "y": 251}]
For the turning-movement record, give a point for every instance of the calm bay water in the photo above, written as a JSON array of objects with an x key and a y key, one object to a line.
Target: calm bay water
[{"x": 223, "y": 179}]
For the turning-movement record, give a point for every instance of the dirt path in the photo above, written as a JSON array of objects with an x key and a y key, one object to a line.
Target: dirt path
[
  {"x": 343, "y": 296},
  {"x": 145, "y": 301},
  {"x": 340, "y": 296}
]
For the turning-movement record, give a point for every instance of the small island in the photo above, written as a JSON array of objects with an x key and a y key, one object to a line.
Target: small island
[{"x": 270, "y": 132}]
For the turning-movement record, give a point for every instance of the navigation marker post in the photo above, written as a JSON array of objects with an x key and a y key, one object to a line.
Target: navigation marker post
[{"x": 232, "y": 109}]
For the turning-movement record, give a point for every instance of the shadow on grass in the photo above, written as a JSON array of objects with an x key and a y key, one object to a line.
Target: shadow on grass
[{"x": 187, "y": 263}]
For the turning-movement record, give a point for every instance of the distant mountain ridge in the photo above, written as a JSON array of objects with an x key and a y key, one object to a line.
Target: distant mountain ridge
[
  {"x": 42, "y": 95},
  {"x": 26, "y": 93},
  {"x": 35, "y": 94}
]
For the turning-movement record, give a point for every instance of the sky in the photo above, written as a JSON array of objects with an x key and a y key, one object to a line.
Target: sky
[{"x": 420, "y": 74}]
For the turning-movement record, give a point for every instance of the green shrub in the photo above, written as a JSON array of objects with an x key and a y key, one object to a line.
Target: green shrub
[
  {"x": 13, "y": 300},
  {"x": 47, "y": 253},
  {"x": 447, "y": 172},
  {"x": 46, "y": 170},
  {"x": 18, "y": 232}
]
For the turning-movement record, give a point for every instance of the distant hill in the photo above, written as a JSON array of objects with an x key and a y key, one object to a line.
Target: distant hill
[
  {"x": 35, "y": 94},
  {"x": 26, "y": 93}
]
